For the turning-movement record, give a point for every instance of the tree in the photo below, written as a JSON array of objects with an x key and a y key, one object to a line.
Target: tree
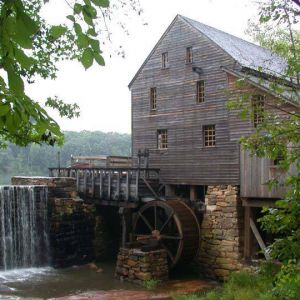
[
  {"x": 29, "y": 47},
  {"x": 279, "y": 139}
]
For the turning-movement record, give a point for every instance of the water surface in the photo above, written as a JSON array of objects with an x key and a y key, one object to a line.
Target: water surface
[{"x": 45, "y": 283}]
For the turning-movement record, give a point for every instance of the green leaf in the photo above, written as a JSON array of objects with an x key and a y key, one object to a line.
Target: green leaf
[
  {"x": 57, "y": 31},
  {"x": 25, "y": 61},
  {"x": 101, "y": 3},
  {"x": 77, "y": 8},
  {"x": 99, "y": 59},
  {"x": 15, "y": 83},
  {"x": 82, "y": 41},
  {"x": 77, "y": 28},
  {"x": 95, "y": 45},
  {"x": 92, "y": 32},
  {"x": 4, "y": 109},
  {"x": 87, "y": 58},
  {"x": 71, "y": 18}
]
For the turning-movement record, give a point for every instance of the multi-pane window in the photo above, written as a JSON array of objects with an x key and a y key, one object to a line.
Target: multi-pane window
[
  {"x": 164, "y": 60},
  {"x": 209, "y": 135},
  {"x": 153, "y": 102},
  {"x": 162, "y": 139},
  {"x": 189, "y": 55},
  {"x": 258, "y": 107},
  {"x": 200, "y": 91}
]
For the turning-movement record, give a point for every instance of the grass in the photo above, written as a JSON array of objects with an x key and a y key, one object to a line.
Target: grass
[
  {"x": 151, "y": 284},
  {"x": 240, "y": 286}
]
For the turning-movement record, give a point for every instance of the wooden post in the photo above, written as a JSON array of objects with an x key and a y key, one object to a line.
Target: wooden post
[
  {"x": 77, "y": 180},
  {"x": 109, "y": 185},
  {"x": 93, "y": 183},
  {"x": 101, "y": 185},
  {"x": 248, "y": 236},
  {"x": 127, "y": 186},
  {"x": 85, "y": 183},
  {"x": 193, "y": 194},
  {"x": 137, "y": 178},
  {"x": 118, "y": 184}
]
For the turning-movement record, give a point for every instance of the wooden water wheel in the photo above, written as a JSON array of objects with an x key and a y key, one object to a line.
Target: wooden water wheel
[{"x": 173, "y": 224}]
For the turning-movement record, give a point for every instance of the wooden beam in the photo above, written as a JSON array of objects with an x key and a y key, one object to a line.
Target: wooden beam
[
  {"x": 259, "y": 202},
  {"x": 259, "y": 239},
  {"x": 93, "y": 184}
]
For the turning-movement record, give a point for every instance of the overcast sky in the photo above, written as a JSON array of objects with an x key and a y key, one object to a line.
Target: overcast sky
[{"x": 102, "y": 92}]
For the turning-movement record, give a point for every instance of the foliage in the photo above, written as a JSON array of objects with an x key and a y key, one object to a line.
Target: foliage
[
  {"x": 151, "y": 284},
  {"x": 31, "y": 48},
  {"x": 35, "y": 160},
  {"x": 240, "y": 286},
  {"x": 278, "y": 138}
]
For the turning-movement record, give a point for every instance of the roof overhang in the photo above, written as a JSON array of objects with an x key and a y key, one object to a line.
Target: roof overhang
[{"x": 289, "y": 95}]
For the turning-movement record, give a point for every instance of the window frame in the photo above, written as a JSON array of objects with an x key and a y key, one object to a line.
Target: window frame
[
  {"x": 258, "y": 109},
  {"x": 189, "y": 55},
  {"x": 153, "y": 99},
  {"x": 165, "y": 60},
  {"x": 162, "y": 139},
  {"x": 200, "y": 91},
  {"x": 209, "y": 135}
]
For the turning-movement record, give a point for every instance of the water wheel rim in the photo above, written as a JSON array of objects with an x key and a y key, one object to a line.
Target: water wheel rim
[{"x": 169, "y": 207}]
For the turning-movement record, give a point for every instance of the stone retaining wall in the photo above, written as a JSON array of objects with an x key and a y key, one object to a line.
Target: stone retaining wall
[
  {"x": 77, "y": 231},
  {"x": 221, "y": 232},
  {"x": 137, "y": 266}
]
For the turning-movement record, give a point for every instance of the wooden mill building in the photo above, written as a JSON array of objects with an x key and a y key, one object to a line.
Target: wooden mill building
[{"x": 179, "y": 114}]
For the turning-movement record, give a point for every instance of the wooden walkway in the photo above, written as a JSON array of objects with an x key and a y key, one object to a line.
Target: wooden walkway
[{"x": 123, "y": 187}]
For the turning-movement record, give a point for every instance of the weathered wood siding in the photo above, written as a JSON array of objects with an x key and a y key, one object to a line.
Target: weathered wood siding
[
  {"x": 256, "y": 172},
  {"x": 186, "y": 161}
]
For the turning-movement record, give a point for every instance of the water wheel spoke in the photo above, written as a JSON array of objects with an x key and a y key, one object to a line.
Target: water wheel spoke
[
  {"x": 170, "y": 237},
  {"x": 145, "y": 221},
  {"x": 170, "y": 254},
  {"x": 167, "y": 221}
]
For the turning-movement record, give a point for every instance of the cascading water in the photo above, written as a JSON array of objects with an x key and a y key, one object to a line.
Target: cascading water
[{"x": 24, "y": 238}]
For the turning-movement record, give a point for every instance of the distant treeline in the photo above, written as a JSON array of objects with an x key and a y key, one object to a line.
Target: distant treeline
[{"x": 35, "y": 160}]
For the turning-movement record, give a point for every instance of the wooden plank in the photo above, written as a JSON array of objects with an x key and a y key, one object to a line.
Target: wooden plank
[
  {"x": 259, "y": 202},
  {"x": 137, "y": 178},
  {"x": 77, "y": 179},
  {"x": 259, "y": 239},
  {"x": 118, "y": 185}
]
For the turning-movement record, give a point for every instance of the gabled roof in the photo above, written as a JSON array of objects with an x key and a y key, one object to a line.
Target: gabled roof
[{"x": 245, "y": 53}]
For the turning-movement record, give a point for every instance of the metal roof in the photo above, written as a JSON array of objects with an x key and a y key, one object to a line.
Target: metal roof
[{"x": 245, "y": 53}]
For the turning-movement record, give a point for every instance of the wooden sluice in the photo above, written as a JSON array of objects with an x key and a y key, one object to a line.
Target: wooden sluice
[{"x": 123, "y": 187}]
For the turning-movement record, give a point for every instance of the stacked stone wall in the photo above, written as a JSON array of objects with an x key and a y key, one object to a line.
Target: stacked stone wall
[
  {"x": 221, "y": 232},
  {"x": 136, "y": 266}
]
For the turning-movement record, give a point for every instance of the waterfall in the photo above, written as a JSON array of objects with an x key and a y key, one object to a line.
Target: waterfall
[{"x": 24, "y": 238}]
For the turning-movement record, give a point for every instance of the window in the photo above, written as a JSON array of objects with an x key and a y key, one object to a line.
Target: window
[
  {"x": 153, "y": 98},
  {"x": 189, "y": 55},
  {"x": 200, "y": 91},
  {"x": 258, "y": 106},
  {"x": 209, "y": 134},
  {"x": 164, "y": 60},
  {"x": 162, "y": 139}
]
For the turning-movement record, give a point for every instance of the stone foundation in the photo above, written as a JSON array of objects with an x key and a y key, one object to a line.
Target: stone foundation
[
  {"x": 221, "y": 233},
  {"x": 137, "y": 266}
]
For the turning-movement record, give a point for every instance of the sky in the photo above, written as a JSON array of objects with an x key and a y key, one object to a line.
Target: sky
[{"x": 102, "y": 92}]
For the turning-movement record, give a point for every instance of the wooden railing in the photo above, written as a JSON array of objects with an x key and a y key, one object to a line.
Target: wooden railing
[{"x": 113, "y": 186}]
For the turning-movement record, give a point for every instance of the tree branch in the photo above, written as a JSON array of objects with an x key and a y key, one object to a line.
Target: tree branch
[{"x": 297, "y": 2}]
